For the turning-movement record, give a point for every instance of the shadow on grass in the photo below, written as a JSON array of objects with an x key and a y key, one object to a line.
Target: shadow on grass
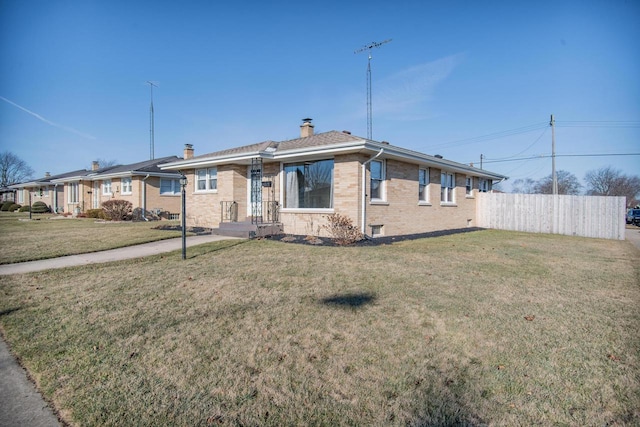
[
  {"x": 9, "y": 311},
  {"x": 353, "y": 300}
]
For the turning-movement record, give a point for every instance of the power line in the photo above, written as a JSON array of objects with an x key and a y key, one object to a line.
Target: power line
[
  {"x": 546, "y": 156},
  {"x": 494, "y": 135}
]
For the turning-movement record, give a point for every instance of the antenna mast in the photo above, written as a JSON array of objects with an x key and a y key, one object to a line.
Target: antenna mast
[
  {"x": 369, "y": 109},
  {"x": 151, "y": 140}
]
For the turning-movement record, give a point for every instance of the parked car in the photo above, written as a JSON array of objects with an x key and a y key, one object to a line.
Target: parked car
[{"x": 633, "y": 217}]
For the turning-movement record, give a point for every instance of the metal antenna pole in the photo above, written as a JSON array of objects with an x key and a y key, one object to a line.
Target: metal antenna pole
[
  {"x": 554, "y": 177},
  {"x": 369, "y": 100},
  {"x": 151, "y": 124}
]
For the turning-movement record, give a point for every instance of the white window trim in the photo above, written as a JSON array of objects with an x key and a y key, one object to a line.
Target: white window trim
[
  {"x": 452, "y": 191},
  {"x": 104, "y": 187},
  {"x": 383, "y": 184},
  {"x": 427, "y": 201},
  {"x": 207, "y": 179},
  {"x": 122, "y": 184},
  {"x": 73, "y": 189},
  {"x": 471, "y": 193},
  {"x": 283, "y": 185}
]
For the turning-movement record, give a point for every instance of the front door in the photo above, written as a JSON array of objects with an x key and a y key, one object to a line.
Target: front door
[{"x": 96, "y": 195}]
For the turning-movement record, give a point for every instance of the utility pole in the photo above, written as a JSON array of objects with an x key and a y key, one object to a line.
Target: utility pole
[
  {"x": 369, "y": 102},
  {"x": 554, "y": 177},
  {"x": 481, "y": 158},
  {"x": 151, "y": 124}
]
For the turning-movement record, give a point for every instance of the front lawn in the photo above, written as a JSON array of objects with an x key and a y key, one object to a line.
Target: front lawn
[
  {"x": 42, "y": 237},
  {"x": 482, "y": 328}
]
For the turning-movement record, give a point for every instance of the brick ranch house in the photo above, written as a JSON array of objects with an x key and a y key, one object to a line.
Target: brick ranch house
[
  {"x": 295, "y": 184},
  {"x": 143, "y": 184}
]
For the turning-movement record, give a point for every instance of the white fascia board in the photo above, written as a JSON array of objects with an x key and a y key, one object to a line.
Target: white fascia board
[
  {"x": 428, "y": 160},
  {"x": 211, "y": 161},
  {"x": 71, "y": 179},
  {"x": 319, "y": 151},
  {"x": 134, "y": 173}
]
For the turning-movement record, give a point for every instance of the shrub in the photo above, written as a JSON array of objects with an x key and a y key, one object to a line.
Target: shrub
[
  {"x": 342, "y": 230},
  {"x": 25, "y": 208},
  {"x": 40, "y": 207},
  {"x": 96, "y": 213},
  {"x": 117, "y": 210},
  {"x": 6, "y": 205}
]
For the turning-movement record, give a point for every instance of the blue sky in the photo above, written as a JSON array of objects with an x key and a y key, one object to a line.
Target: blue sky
[{"x": 72, "y": 86}]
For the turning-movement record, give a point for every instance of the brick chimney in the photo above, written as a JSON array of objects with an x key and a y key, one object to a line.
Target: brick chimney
[
  {"x": 47, "y": 174},
  {"x": 95, "y": 165},
  {"x": 306, "y": 129},
  {"x": 188, "y": 151}
]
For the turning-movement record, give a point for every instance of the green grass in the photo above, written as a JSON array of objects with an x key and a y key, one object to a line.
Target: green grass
[
  {"x": 43, "y": 237},
  {"x": 425, "y": 332}
]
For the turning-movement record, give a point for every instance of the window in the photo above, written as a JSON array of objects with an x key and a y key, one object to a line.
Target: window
[
  {"x": 469, "y": 186},
  {"x": 376, "y": 168},
  {"x": 169, "y": 186},
  {"x": 20, "y": 196},
  {"x": 73, "y": 192},
  {"x": 309, "y": 185},
  {"x": 447, "y": 185},
  {"x": 484, "y": 185},
  {"x": 126, "y": 186},
  {"x": 207, "y": 179},
  {"x": 423, "y": 185},
  {"x": 106, "y": 187}
]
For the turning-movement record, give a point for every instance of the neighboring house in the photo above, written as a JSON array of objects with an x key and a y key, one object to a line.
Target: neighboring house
[
  {"x": 382, "y": 188},
  {"x": 143, "y": 184},
  {"x": 44, "y": 190}
]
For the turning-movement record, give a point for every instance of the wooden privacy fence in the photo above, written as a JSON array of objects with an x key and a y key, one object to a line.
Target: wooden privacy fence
[{"x": 587, "y": 216}]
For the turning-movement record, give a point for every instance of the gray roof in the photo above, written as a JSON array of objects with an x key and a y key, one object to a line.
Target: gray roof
[{"x": 148, "y": 166}]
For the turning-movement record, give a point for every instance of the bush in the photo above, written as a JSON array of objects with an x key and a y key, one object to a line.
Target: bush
[
  {"x": 117, "y": 210},
  {"x": 40, "y": 207},
  {"x": 25, "y": 208},
  {"x": 6, "y": 205},
  {"x": 96, "y": 213},
  {"x": 342, "y": 230}
]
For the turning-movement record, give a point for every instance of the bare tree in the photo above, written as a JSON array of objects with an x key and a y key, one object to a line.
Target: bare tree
[
  {"x": 106, "y": 163},
  {"x": 13, "y": 169},
  {"x": 608, "y": 181},
  {"x": 523, "y": 186},
  {"x": 567, "y": 184}
]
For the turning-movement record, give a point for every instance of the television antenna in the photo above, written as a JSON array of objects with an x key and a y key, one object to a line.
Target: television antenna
[
  {"x": 151, "y": 130},
  {"x": 369, "y": 112}
]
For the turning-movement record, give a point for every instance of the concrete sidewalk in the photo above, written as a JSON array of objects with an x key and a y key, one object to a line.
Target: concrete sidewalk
[
  {"x": 137, "y": 251},
  {"x": 20, "y": 403}
]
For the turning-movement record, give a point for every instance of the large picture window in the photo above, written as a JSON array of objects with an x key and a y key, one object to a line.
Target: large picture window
[
  {"x": 309, "y": 185},
  {"x": 169, "y": 186},
  {"x": 448, "y": 184}
]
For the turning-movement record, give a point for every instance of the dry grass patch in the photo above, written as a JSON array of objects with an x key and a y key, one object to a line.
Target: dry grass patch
[
  {"x": 426, "y": 332},
  {"x": 43, "y": 238}
]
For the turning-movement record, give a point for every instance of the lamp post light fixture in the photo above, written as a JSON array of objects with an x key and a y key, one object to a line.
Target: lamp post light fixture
[{"x": 183, "y": 216}]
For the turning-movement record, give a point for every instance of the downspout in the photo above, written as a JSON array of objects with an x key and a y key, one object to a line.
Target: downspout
[
  {"x": 364, "y": 191},
  {"x": 144, "y": 198}
]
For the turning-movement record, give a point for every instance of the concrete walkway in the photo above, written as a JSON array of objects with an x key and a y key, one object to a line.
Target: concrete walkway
[
  {"x": 137, "y": 251},
  {"x": 20, "y": 402}
]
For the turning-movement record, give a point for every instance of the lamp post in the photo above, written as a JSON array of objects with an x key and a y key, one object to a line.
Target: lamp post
[{"x": 183, "y": 216}]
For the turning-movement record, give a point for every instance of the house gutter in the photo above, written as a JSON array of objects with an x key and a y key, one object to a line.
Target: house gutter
[
  {"x": 364, "y": 191},
  {"x": 144, "y": 197}
]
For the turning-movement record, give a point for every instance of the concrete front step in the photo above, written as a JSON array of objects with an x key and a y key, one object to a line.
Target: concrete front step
[{"x": 248, "y": 230}]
